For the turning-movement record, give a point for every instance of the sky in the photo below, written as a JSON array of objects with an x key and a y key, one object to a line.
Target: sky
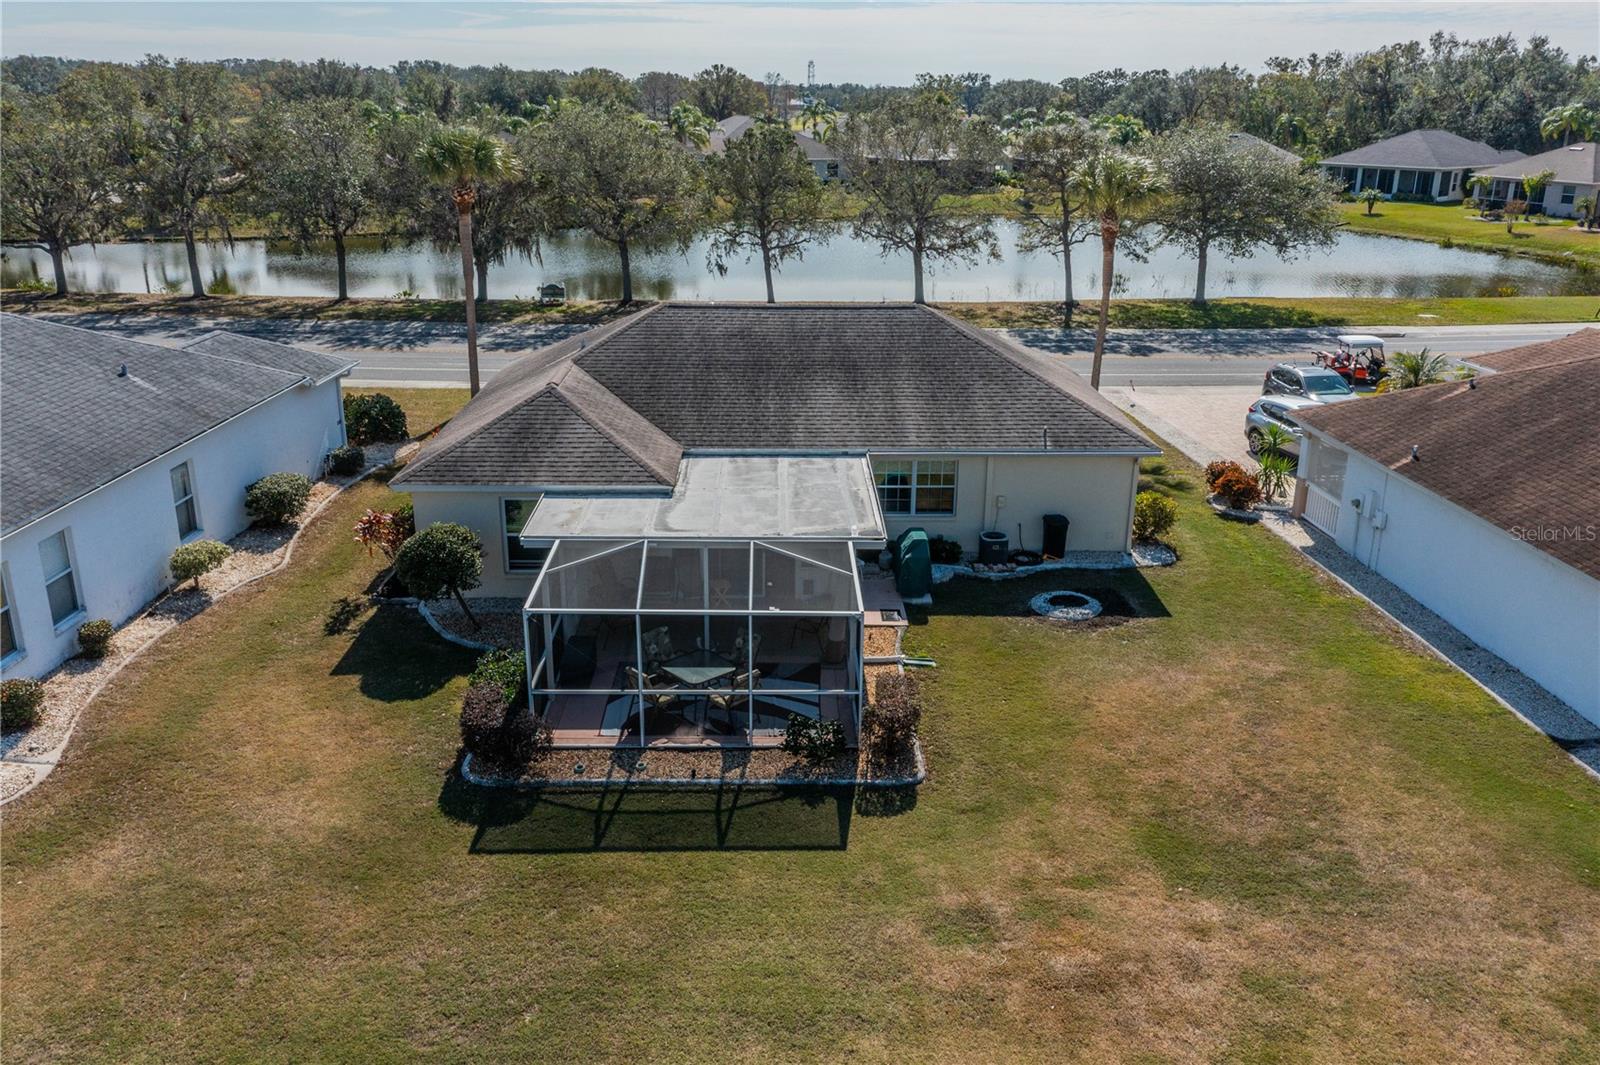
[{"x": 885, "y": 42}]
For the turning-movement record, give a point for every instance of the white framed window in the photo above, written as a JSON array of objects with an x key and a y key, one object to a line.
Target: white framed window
[
  {"x": 520, "y": 559},
  {"x": 60, "y": 583},
  {"x": 1568, "y": 194},
  {"x": 183, "y": 501},
  {"x": 916, "y": 486},
  {"x": 10, "y": 637}
]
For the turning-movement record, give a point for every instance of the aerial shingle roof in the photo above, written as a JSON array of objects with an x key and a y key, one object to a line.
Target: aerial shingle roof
[
  {"x": 79, "y": 408},
  {"x": 1435, "y": 149},
  {"x": 1574, "y": 164},
  {"x": 1514, "y": 448},
  {"x": 787, "y": 377},
  {"x": 1584, "y": 344}
]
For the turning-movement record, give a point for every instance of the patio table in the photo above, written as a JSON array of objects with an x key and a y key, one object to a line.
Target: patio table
[{"x": 698, "y": 668}]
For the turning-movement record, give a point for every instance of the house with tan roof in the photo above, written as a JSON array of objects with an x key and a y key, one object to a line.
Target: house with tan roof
[
  {"x": 679, "y": 500},
  {"x": 1480, "y": 499}
]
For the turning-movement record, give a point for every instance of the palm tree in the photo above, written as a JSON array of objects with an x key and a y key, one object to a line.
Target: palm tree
[
  {"x": 690, "y": 126},
  {"x": 459, "y": 159},
  {"x": 1585, "y": 210},
  {"x": 816, "y": 114},
  {"x": 1567, "y": 120},
  {"x": 1479, "y": 186},
  {"x": 1117, "y": 188},
  {"x": 1413, "y": 369},
  {"x": 1370, "y": 197}
]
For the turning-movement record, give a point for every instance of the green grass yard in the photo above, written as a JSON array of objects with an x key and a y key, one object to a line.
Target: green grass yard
[
  {"x": 1557, "y": 240},
  {"x": 1254, "y": 825}
]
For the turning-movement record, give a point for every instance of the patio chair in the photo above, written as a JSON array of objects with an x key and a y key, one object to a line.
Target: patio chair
[
  {"x": 725, "y": 701},
  {"x": 813, "y": 626},
  {"x": 738, "y": 648},
  {"x": 656, "y": 694}
]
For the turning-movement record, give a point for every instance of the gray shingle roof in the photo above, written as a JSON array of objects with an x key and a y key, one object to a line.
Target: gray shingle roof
[
  {"x": 1435, "y": 149},
  {"x": 313, "y": 364},
  {"x": 1575, "y": 164},
  {"x": 69, "y": 423},
  {"x": 1251, "y": 142},
  {"x": 782, "y": 377}
]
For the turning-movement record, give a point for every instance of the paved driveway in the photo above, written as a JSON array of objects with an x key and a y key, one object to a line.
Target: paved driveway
[{"x": 1204, "y": 422}]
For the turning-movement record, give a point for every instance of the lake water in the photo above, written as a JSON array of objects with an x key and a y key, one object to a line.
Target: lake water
[{"x": 843, "y": 269}]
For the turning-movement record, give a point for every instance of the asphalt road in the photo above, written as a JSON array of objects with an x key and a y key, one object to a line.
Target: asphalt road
[{"x": 434, "y": 353}]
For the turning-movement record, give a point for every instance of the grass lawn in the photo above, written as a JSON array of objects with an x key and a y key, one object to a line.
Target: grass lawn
[
  {"x": 1253, "y": 825},
  {"x": 1558, "y": 240},
  {"x": 1269, "y": 312}
]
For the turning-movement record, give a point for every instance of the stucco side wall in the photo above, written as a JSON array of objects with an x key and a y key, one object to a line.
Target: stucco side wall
[
  {"x": 121, "y": 536},
  {"x": 1535, "y": 612},
  {"x": 479, "y": 511}
]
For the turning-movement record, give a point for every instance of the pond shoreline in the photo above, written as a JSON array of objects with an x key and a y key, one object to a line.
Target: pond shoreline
[{"x": 1229, "y": 313}]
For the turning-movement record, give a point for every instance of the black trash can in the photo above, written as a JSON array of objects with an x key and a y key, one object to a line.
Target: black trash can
[
  {"x": 1055, "y": 535},
  {"x": 993, "y": 547}
]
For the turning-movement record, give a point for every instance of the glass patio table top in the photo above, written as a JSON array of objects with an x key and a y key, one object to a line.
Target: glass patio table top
[{"x": 698, "y": 667}]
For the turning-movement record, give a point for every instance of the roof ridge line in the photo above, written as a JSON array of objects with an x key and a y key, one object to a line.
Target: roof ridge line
[
  {"x": 163, "y": 347},
  {"x": 605, "y": 430},
  {"x": 1000, "y": 350},
  {"x": 422, "y": 462}
]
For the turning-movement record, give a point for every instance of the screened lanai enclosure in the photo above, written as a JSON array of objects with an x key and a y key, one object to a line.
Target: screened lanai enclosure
[{"x": 661, "y": 641}]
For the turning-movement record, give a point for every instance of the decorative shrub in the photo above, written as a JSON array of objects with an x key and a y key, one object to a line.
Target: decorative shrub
[
  {"x": 443, "y": 559},
  {"x": 278, "y": 498},
  {"x": 889, "y": 723},
  {"x": 383, "y": 529},
  {"x": 346, "y": 460},
  {"x": 21, "y": 701},
  {"x": 1276, "y": 469},
  {"x": 197, "y": 558},
  {"x": 497, "y": 731},
  {"x": 405, "y": 519},
  {"x": 1238, "y": 489},
  {"x": 1153, "y": 515},
  {"x": 815, "y": 741},
  {"x": 1215, "y": 470},
  {"x": 944, "y": 551},
  {"x": 505, "y": 668},
  {"x": 94, "y": 637},
  {"x": 373, "y": 418}
]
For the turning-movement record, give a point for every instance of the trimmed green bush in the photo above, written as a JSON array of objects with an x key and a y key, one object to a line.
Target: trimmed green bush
[
  {"x": 197, "y": 558},
  {"x": 889, "y": 723},
  {"x": 344, "y": 461},
  {"x": 505, "y": 668},
  {"x": 94, "y": 637},
  {"x": 21, "y": 701},
  {"x": 1153, "y": 515},
  {"x": 278, "y": 498},
  {"x": 503, "y": 734},
  {"x": 944, "y": 551},
  {"x": 815, "y": 741},
  {"x": 373, "y": 418},
  {"x": 443, "y": 559}
]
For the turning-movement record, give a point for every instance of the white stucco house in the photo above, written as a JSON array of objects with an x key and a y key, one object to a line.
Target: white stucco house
[
  {"x": 1575, "y": 176},
  {"x": 114, "y": 451},
  {"x": 696, "y": 482},
  {"x": 1431, "y": 165},
  {"x": 1480, "y": 500}
]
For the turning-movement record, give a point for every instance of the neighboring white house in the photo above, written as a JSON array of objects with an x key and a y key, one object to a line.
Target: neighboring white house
[
  {"x": 1431, "y": 165},
  {"x": 115, "y": 451},
  {"x": 1575, "y": 170},
  {"x": 1480, "y": 500},
  {"x": 701, "y": 478}
]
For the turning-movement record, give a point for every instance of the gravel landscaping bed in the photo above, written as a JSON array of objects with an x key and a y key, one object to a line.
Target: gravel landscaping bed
[
  {"x": 881, "y": 641},
  {"x": 499, "y": 621},
  {"x": 598, "y": 767},
  {"x": 73, "y": 684}
]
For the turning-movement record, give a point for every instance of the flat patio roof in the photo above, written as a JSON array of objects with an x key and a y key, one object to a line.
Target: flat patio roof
[{"x": 780, "y": 497}]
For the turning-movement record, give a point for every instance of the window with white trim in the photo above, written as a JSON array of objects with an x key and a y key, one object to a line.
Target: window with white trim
[
  {"x": 916, "y": 486},
  {"x": 183, "y": 501},
  {"x": 521, "y": 559},
  {"x": 60, "y": 584},
  {"x": 10, "y": 645},
  {"x": 1568, "y": 194}
]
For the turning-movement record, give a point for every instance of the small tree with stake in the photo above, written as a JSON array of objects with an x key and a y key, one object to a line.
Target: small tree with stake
[{"x": 443, "y": 559}]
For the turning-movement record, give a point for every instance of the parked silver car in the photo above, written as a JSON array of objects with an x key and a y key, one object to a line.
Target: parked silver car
[
  {"x": 1279, "y": 411},
  {"x": 1309, "y": 382}
]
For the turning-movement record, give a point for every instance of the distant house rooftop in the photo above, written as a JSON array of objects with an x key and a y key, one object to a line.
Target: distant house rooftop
[
  {"x": 80, "y": 408},
  {"x": 1254, "y": 143},
  {"x": 1573, "y": 164},
  {"x": 1505, "y": 447},
  {"x": 1424, "y": 149}
]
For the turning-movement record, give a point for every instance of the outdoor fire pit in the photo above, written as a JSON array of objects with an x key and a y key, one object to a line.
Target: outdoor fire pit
[{"x": 1065, "y": 606}]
